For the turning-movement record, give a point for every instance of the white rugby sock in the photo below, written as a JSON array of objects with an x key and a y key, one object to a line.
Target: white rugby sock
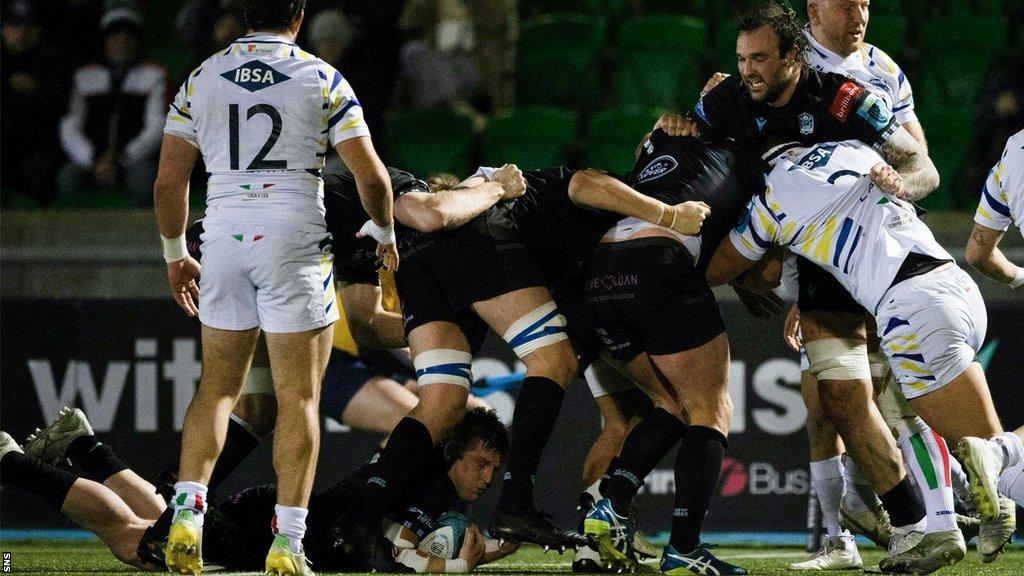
[
  {"x": 190, "y": 496},
  {"x": 1013, "y": 448},
  {"x": 858, "y": 496},
  {"x": 961, "y": 485},
  {"x": 927, "y": 459},
  {"x": 290, "y": 522},
  {"x": 1011, "y": 483},
  {"x": 827, "y": 482}
]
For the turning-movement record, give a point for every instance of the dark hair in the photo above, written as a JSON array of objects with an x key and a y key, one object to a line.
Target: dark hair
[
  {"x": 479, "y": 424},
  {"x": 271, "y": 14},
  {"x": 782, "y": 18}
]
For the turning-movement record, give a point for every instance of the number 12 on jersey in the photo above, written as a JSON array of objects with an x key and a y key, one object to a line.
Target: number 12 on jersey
[{"x": 260, "y": 162}]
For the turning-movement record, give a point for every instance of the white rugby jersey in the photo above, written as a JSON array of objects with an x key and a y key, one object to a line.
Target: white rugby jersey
[
  {"x": 820, "y": 202},
  {"x": 874, "y": 69},
  {"x": 1002, "y": 198},
  {"x": 264, "y": 114}
]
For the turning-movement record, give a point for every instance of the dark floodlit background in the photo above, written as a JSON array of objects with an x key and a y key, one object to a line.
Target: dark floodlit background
[{"x": 446, "y": 85}]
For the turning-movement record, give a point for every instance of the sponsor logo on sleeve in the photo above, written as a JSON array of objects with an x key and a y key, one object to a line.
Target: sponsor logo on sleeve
[
  {"x": 874, "y": 110},
  {"x": 843, "y": 102}
]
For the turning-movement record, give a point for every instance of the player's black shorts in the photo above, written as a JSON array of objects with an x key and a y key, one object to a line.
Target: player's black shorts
[
  {"x": 344, "y": 377},
  {"x": 477, "y": 262},
  {"x": 581, "y": 328},
  {"x": 820, "y": 290},
  {"x": 647, "y": 296}
]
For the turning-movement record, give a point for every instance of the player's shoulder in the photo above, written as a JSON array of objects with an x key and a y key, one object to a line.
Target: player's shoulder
[
  {"x": 1015, "y": 146},
  {"x": 879, "y": 62},
  {"x": 727, "y": 90},
  {"x": 403, "y": 182}
]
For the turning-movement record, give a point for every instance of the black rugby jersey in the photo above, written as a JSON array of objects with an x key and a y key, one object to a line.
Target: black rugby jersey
[
  {"x": 355, "y": 259},
  {"x": 680, "y": 169},
  {"x": 825, "y": 107}
]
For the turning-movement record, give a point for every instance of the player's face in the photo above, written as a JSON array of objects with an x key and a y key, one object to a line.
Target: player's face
[
  {"x": 473, "y": 473},
  {"x": 839, "y": 24},
  {"x": 766, "y": 74}
]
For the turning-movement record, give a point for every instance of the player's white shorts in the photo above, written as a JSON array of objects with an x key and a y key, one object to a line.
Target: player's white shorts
[
  {"x": 275, "y": 276},
  {"x": 931, "y": 326}
]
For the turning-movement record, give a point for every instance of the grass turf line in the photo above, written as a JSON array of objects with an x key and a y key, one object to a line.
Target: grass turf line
[{"x": 93, "y": 559}]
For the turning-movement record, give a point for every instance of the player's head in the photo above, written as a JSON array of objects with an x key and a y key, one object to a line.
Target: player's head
[
  {"x": 475, "y": 449},
  {"x": 770, "y": 51},
  {"x": 839, "y": 24},
  {"x": 273, "y": 15}
]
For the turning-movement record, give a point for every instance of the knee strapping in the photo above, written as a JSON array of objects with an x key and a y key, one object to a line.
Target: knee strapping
[
  {"x": 838, "y": 359},
  {"x": 542, "y": 327},
  {"x": 444, "y": 366},
  {"x": 879, "y": 364}
]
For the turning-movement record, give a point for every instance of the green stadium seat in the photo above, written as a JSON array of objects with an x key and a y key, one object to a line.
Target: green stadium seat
[
  {"x": 427, "y": 142},
  {"x": 949, "y": 132},
  {"x": 613, "y": 135},
  {"x": 968, "y": 8},
  {"x": 530, "y": 137},
  {"x": 661, "y": 60},
  {"x": 888, "y": 32},
  {"x": 952, "y": 78},
  {"x": 886, "y": 8},
  {"x": 980, "y": 34},
  {"x": 725, "y": 47},
  {"x": 604, "y": 8},
  {"x": 558, "y": 59}
]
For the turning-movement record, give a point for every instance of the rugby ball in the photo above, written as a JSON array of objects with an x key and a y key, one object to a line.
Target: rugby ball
[{"x": 446, "y": 539}]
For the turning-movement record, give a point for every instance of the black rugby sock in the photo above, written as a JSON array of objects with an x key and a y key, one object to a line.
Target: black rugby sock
[
  {"x": 408, "y": 447},
  {"x": 40, "y": 478},
  {"x": 239, "y": 443},
  {"x": 698, "y": 465},
  {"x": 643, "y": 448},
  {"x": 903, "y": 503},
  {"x": 533, "y": 420},
  {"x": 96, "y": 458}
]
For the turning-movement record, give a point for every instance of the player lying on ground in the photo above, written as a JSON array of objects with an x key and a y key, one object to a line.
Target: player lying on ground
[
  {"x": 821, "y": 203},
  {"x": 118, "y": 506}
]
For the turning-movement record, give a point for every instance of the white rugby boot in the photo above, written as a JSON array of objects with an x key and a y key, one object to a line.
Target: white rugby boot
[
  {"x": 839, "y": 553},
  {"x": 50, "y": 443}
]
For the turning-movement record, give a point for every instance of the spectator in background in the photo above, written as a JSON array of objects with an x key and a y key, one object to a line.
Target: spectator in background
[
  {"x": 31, "y": 100},
  {"x": 114, "y": 124},
  {"x": 999, "y": 115},
  {"x": 330, "y": 33}
]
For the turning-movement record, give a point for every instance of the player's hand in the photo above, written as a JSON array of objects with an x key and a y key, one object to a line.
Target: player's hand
[
  {"x": 888, "y": 179},
  {"x": 495, "y": 552},
  {"x": 388, "y": 255},
  {"x": 385, "y": 237},
  {"x": 791, "y": 329},
  {"x": 676, "y": 125},
  {"x": 512, "y": 182},
  {"x": 181, "y": 275},
  {"x": 688, "y": 217},
  {"x": 712, "y": 82},
  {"x": 472, "y": 547}
]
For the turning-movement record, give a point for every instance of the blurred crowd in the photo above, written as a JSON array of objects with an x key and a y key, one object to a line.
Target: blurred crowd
[{"x": 86, "y": 82}]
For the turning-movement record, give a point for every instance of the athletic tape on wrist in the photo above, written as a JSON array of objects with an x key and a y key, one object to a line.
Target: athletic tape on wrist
[{"x": 174, "y": 248}]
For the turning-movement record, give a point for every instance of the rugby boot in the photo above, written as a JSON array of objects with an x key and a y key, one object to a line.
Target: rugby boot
[
  {"x": 996, "y": 532},
  {"x": 281, "y": 561},
  {"x": 154, "y": 540},
  {"x": 612, "y": 533},
  {"x": 587, "y": 560},
  {"x": 700, "y": 561},
  {"x": 983, "y": 461},
  {"x": 642, "y": 546},
  {"x": 872, "y": 523},
  {"x": 903, "y": 539},
  {"x": 184, "y": 551},
  {"x": 8, "y": 444},
  {"x": 839, "y": 553},
  {"x": 50, "y": 443},
  {"x": 969, "y": 526},
  {"x": 535, "y": 527},
  {"x": 935, "y": 550}
]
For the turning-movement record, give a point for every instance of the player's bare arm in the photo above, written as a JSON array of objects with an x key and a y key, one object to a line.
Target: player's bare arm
[
  {"x": 374, "y": 187},
  {"x": 170, "y": 201},
  {"x": 372, "y": 326},
  {"x": 596, "y": 189},
  {"x": 984, "y": 254},
  {"x": 915, "y": 175},
  {"x": 727, "y": 264},
  {"x": 446, "y": 209}
]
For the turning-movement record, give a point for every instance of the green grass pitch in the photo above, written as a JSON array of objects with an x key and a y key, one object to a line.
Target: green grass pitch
[{"x": 92, "y": 559}]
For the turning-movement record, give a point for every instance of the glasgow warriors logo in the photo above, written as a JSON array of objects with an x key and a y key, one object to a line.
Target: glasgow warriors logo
[
  {"x": 657, "y": 168},
  {"x": 255, "y": 76}
]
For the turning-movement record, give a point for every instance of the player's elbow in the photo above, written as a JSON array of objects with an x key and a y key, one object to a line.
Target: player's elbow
[
  {"x": 165, "y": 189},
  {"x": 581, "y": 185},
  {"x": 422, "y": 215},
  {"x": 977, "y": 256}
]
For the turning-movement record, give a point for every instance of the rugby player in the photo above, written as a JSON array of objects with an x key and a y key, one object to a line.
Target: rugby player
[
  {"x": 238, "y": 529},
  {"x": 777, "y": 96},
  {"x": 822, "y": 203},
  {"x": 643, "y": 283},
  {"x": 267, "y": 260}
]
